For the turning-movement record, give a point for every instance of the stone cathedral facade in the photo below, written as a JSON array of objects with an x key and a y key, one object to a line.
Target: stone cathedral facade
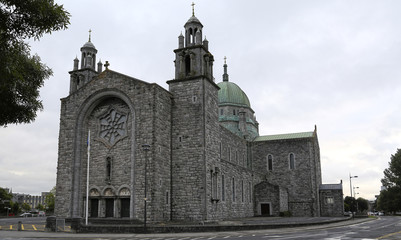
[{"x": 205, "y": 160}]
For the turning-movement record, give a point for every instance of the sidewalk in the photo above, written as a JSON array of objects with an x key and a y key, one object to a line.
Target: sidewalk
[{"x": 231, "y": 225}]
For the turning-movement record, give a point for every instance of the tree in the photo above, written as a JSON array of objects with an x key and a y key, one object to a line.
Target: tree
[
  {"x": 392, "y": 174},
  {"x": 15, "y": 208},
  {"x": 5, "y": 201},
  {"x": 50, "y": 200},
  {"x": 363, "y": 204},
  {"x": 390, "y": 199},
  {"x": 26, "y": 207},
  {"x": 22, "y": 74},
  {"x": 40, "y": 207},
  {"x": 349, "y": 204}
]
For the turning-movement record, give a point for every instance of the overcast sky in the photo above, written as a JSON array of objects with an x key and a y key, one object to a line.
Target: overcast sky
[{"x": 336, "y": 64}]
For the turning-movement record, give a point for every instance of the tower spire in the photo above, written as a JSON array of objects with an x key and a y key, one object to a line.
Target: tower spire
[
  {"x": 225, "y": 75},
  {"x": 90, "y": 31}
]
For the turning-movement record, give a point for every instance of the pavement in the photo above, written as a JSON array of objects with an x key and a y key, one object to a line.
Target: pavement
[{"x": 239, "y": 224}]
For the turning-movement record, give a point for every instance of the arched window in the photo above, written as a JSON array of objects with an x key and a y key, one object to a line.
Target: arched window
[
  {"x": 108, "y": 168},
  {"x": 187, "y": 64},
  {"x": 292, "y": 161},
  {"x": 269, "y": 162}
]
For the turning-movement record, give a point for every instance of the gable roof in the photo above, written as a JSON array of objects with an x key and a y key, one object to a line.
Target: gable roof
[{"x": 284, "y": 136}]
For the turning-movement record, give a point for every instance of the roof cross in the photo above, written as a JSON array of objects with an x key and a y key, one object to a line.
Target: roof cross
[
  {"x": 193, "y": 8},
  {"x": 90, "y": 31},
  {"x": 107, "y": 65}
]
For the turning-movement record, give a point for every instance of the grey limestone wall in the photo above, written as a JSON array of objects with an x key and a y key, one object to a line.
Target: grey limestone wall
[
  {"x": 266, "y": 193},
  {"x": 301, "y": 182},
  {"x": 332, "y": 203},
  {"x": 146, "y": 108},
  {"x": 188, "y": 151}
]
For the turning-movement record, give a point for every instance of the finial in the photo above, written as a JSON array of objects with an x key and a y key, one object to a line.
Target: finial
[
  {"x": 107, "y": 65},
  {"x": 193, "y": 9},
  {"x": 90, "y": 35},
  {"x": 225, "y": 75}
]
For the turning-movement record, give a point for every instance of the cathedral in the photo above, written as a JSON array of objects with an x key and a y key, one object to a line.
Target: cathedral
[{"x": 129, "y": 149}]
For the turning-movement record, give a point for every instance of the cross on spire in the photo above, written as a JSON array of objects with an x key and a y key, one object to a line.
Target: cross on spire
[
  {"x": 90, "y": 31},
  {"x": 193, "y": 8},
  {"x": 225, "y": 60}
]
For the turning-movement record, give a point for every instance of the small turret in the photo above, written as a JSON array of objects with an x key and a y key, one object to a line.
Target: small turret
[
  {"x": 99, "y": 66},
  {"x": 76, "y": 63},
  {"x": 181, "y": 41}
]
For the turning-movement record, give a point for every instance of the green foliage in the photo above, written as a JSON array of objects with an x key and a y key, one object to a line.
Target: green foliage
[
  {"x": 15, "y": 208},
  {"x": 40, "y": 207},
  {"x": 26, "y": 207},
  {"x": 390, "y": 199},
  {"x": 349, "y": 204},
  {"x": 5, "y": 201},
  {"x": 392, "y": 174},
  {"x": 50, "y": 200},
  {"x": 22, "y": 74},
  {"x": 363, "y": 204}
]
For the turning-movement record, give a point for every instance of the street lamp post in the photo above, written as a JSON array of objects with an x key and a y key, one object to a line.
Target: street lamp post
[
  {"x": 146, "y": 148},
  {"x": 350, "y": 188}
]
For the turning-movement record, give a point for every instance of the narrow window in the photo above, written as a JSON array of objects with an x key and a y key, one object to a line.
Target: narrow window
[
  {"x": 223, "y": 189},
  {"x": 234, "y": 112},
  {"x": 233, "y": 190},
  {"x": 108, "y": 168},
  {"x": 187, "y": 64},
  {"x": 250, "y": 192},
  {"x": 221, "y": 147},
  {"x": 269, "y": 162},
  {"x": 242, "y": 191},
  {"x": 221, "y": 111},
  {"x": 292, "y": 161},
  {"x": 167, "y": 197}
]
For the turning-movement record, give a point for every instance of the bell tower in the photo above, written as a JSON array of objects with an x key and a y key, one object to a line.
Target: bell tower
[
  {"x": 81, "y": 76},
  {"x": 192, "y": 58},
  {"x": 195, "y": 126}
]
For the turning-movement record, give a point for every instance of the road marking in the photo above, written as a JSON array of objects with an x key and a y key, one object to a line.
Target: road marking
[
  {"x": 388, "y": 235},
  {"x": 11, "y": 227},
  {"x": 34, "y": 227},
  {"x": 22, "y": 227}
]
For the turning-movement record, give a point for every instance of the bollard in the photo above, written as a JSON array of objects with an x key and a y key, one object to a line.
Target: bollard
[{"x": 19, "y": 226}]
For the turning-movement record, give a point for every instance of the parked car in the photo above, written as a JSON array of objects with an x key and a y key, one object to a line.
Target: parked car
[
  {"x": 27, "y": 214},
  {"x": 42, "y": 214}
]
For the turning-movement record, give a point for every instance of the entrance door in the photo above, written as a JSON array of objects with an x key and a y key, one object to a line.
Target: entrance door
[
  {"x": 125, "y": 207},
  {"x": 265, "y": 209},
  {"x": 94, "y": 208},
  {"x": 109, "y": 207}
]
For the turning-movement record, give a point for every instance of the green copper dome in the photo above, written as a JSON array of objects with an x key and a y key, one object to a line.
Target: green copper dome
[{"x": 230, "y": 93}]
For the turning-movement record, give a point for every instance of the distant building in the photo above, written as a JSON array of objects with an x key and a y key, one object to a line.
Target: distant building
[
  {"x": 32, "y": 201},
  {"x": 206, "y": 159}
]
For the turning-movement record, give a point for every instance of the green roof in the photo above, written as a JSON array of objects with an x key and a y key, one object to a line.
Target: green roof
[
  {"x": 284, "y": 136},
  {"x": 231, "y": 94}
]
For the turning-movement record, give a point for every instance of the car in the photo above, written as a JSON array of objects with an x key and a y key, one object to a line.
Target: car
[
  {"x": 381, "y": 213},
  {"x": 42, "y": 214},
  {"x": 26, "y": 215}
]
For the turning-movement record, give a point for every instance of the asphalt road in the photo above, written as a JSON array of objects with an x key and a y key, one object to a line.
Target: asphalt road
[{"x": 386, "y": 227}]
